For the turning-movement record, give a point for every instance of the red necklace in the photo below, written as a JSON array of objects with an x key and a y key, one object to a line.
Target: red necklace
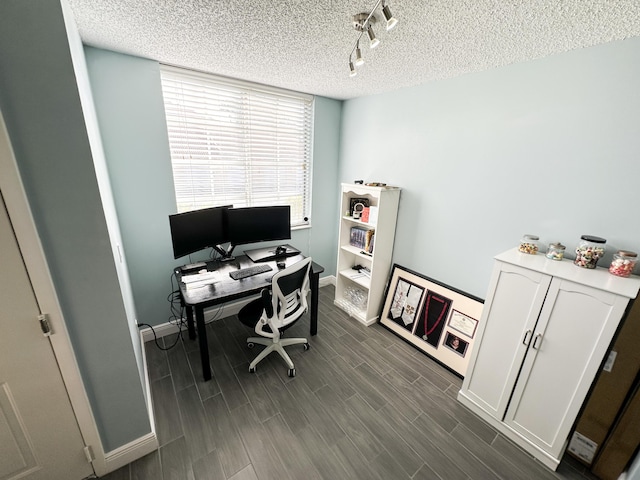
[{"x": 426, "y": 320}]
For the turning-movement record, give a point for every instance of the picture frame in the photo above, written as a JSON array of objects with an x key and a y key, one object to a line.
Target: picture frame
[
  {"x": 437, "y": 319},
  {"x": 355, "y": 200}
]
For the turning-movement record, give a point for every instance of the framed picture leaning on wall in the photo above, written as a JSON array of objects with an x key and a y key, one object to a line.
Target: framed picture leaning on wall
[{"x": 437, "y": 319}]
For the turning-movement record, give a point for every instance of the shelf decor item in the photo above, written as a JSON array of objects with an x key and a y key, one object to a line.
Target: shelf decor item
[{"x": 437, "y": 319}]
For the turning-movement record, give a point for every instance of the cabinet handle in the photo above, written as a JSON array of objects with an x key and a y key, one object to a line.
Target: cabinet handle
[
  {"x": 535, "y": 341},
  {"x": 527, "y": 338}
]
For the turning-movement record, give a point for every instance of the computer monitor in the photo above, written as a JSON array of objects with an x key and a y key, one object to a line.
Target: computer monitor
[
  {"x": 198, "y": 229},
  {"x": 258, "y": 224}
]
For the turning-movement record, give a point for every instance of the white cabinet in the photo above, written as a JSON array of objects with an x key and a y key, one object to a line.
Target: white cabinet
[
  {"x": 359, "y": 292},
  {"x": 546, "y": 326}
]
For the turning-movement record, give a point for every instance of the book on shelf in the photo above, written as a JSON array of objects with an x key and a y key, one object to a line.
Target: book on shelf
[{"x": 360, "y": 237}]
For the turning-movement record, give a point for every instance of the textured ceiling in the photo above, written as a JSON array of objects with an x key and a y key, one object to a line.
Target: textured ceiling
[{"x": 304, "y": 45}]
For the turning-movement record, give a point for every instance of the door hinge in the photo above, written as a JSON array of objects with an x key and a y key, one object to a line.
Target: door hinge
[
  {"x": 44, "y": 324},
  {"x": 89, "y": 454}
]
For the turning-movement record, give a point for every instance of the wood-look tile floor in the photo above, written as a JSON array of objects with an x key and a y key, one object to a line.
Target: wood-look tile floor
[{"x": 363, "y": 405}]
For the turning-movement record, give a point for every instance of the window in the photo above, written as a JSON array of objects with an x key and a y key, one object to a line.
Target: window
[{"x": 240, "y": 144}]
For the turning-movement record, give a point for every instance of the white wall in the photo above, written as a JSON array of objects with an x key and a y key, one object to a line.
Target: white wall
[{"x": 548, "y": 147}]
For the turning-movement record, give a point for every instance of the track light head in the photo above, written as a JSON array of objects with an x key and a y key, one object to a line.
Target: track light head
[
  {"x": 352, "y": 69},
  {"x": 388, "y": 16},
  {"x": 374, "y": 42},
  {"x": 359, "y": 60}
]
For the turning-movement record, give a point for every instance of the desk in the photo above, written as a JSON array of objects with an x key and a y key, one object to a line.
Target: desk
[{"x": 224, "y": 289}]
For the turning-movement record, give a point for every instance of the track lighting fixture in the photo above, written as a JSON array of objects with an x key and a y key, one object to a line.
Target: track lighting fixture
[{"x": 363, "y": 22}]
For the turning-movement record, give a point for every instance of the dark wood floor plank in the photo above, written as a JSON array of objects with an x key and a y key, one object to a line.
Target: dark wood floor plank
[
  {"x": 392, "y": 362},
  {"x": 231, "y": 451},
  {"x": 166, "y": 411},
  {"x": 393, "y": 396},
  {"x": 354, "y": 463},
  {"x": 293, "y": 456},
  {"x": 226, "y": 378},
  {"x": 489, "y": 456},
  {"x": 406, "y": 457},
  {"x": 208, "y": 467},
  {"x": 147, "y": 467},
  {"x": 323, "y": 458},
  {"x": 205, "y": 389},
  {"x": 198, "y": 433},
  {"x": 257, "y": 394},
  {"x": 264, "y": 457},
  {"x": 321, "y": 418},
  {"x": 368, "y": 445},
  {"x": 175, "y": 460},
  {"x": 422, "y": 444},
  {"x": 362, "y": 386},
  {"x": 157, "y": 363},
  {"x": 450, "y": 447},
  {"x": 180, "y": 368},
  {"x": 522, "y": 459},
  {"x": 286, "y": 404}
]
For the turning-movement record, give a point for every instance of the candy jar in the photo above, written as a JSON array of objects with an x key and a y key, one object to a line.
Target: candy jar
[
  {"x": 623, "y": 263},
  {"x": 589, "y": 251},
  {"x": 555, "y": 251},
  {"x": 529, "y": 244}
]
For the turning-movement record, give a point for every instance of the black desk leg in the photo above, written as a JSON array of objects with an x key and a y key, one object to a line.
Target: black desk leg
[
  {"x": 190, "y": 327},
  {"x": 204, "y": 346},
  {"x": 313, "y": 323}
]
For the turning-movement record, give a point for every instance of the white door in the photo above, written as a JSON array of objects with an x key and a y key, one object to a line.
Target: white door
[
  {"x": 39, "y": 434},
  {"x": 575, "y": 328},
  {"x": 508, "y": 319}
]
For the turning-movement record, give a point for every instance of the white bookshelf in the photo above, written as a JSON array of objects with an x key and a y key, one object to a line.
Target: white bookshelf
[{"x": 369, "y": 288}]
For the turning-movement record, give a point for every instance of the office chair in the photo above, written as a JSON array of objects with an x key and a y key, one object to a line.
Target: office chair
[{"x": 277, "y": 310}]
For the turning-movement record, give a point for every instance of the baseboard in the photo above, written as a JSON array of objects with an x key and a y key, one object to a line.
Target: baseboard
[
  {"x": 328, "y": 280},
  {"x": 130, "y": 452}
]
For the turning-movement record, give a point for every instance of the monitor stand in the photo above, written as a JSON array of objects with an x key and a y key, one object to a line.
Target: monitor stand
[{"x": 267, "y": 254}]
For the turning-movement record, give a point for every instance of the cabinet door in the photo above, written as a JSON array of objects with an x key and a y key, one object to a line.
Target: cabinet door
[
  {"x": 508, "y": 319},
  {"x": 575, "y": 328}
]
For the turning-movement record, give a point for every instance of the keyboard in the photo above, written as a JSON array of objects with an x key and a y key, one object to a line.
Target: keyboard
[{"x": 249, "y": 271}]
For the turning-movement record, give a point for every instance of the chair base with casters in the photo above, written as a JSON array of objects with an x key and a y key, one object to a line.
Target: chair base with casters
[
  {"x": 277, "y": 310},
  {"x": 275, "y": 347}
]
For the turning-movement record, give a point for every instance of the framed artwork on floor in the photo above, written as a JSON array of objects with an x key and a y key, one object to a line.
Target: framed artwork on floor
[{"x": 436, "y": 318}]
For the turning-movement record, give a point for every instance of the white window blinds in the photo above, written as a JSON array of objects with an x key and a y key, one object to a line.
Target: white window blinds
[{"x": 234, "y": 143}]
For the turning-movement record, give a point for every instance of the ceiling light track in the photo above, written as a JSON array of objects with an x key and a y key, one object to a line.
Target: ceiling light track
[{"x": 363, "y": 23}]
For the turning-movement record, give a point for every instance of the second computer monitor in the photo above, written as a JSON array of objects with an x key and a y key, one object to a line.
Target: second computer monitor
[{"x": 258, "y": 224}]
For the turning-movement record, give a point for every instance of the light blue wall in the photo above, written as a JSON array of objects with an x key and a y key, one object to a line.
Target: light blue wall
[
  {"x": 548, "y": 147},
  {"x": 40, "y": 101},
  {"x": 128, "y": 98}
]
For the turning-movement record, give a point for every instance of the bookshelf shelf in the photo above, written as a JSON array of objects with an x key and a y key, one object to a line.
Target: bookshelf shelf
[{"x": 355, "y": 238}]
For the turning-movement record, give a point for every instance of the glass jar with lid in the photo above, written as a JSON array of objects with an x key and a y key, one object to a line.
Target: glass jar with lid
[
  {"x": 529, "y": 244},
  {"x": 589, "y": 251},
  {"x": 623, "y": 263},
  {"x": 555, "y": 251}
]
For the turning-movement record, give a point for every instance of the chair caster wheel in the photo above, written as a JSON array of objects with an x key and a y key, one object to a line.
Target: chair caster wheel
[
  {"x": 292, "y": 372},
  {"x": 306, "y": 346},
  {"x": 250, "y": 345},
  {"x": 252, "y": 369}
]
